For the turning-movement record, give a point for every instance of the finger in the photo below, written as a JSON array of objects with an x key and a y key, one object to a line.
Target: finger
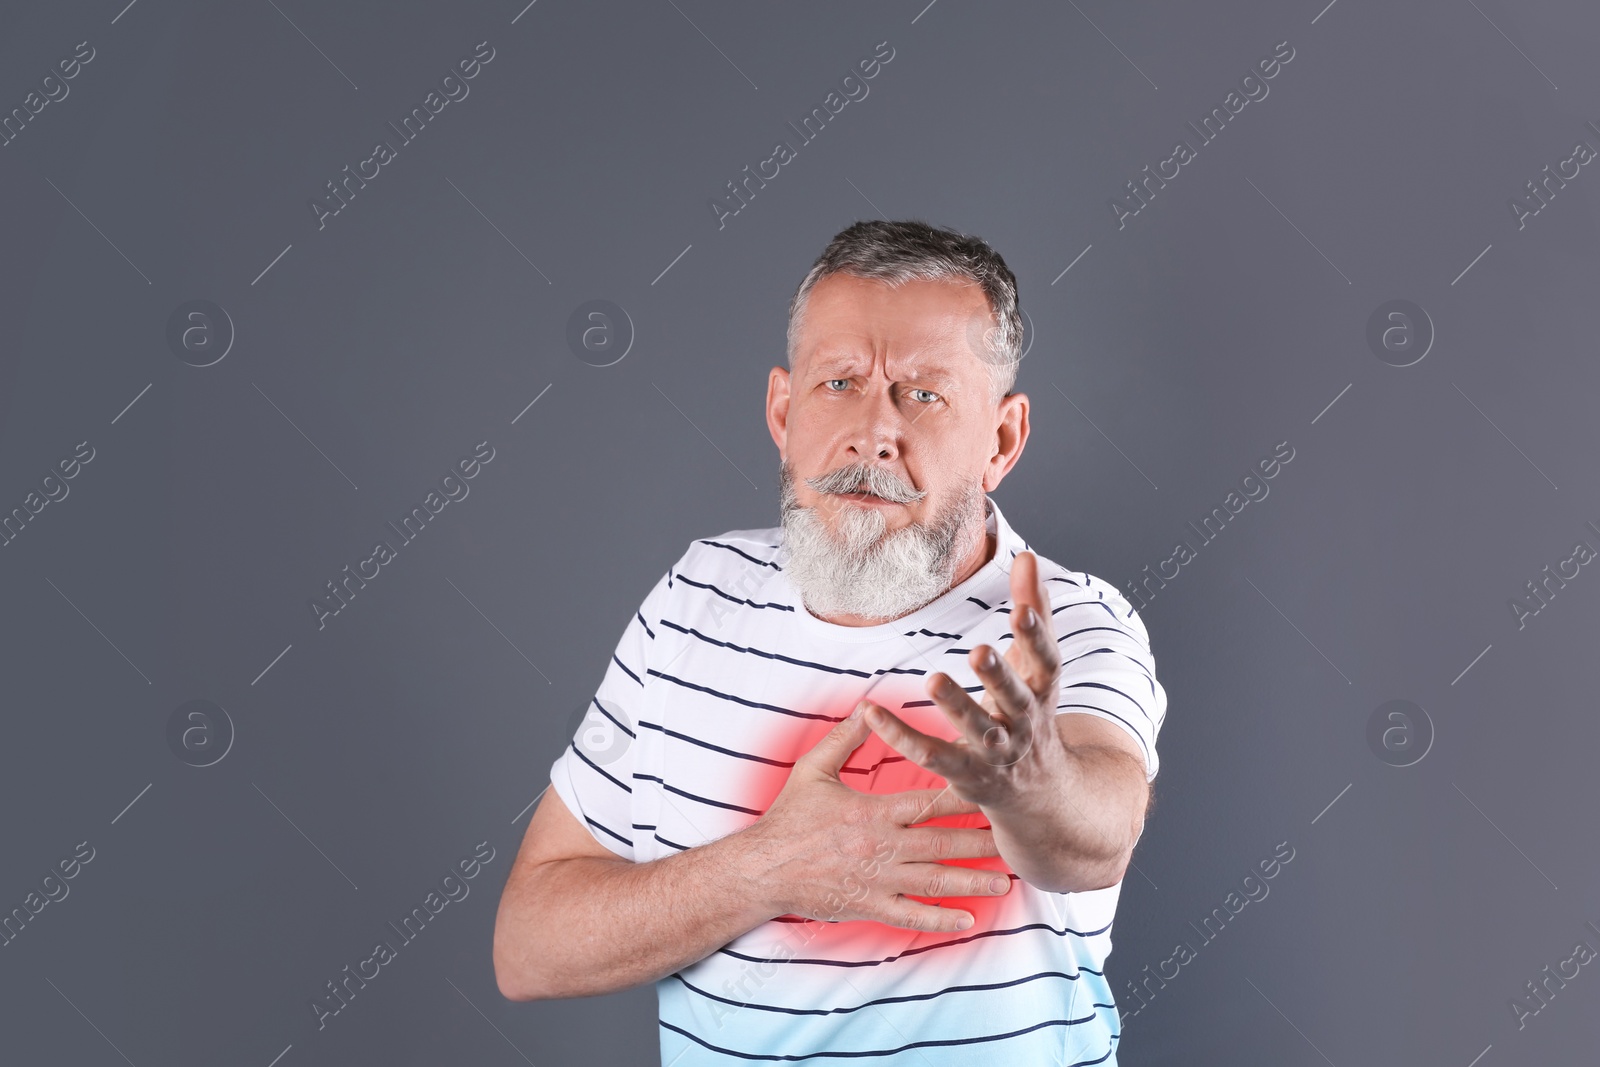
[
  {"x": 919, "y": 805},
  {"x": 1012, "y": 696},
  {"x": 1026, "y": 588},
  {"x": 911, "y": 915},
  {"x": 934, "y": 844},
  {"x": 1019, "y": 706},
  {"x": 828, "y": 755},
  {"x": 939, "y": 880},
  {"x": 1034, "y": 651},
  {"x": 983, "y": 732},
  {"x": 929, "y": 753}
]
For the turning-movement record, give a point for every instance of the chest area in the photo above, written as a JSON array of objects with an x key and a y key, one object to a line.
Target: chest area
[{"x": 724, "y": 726}]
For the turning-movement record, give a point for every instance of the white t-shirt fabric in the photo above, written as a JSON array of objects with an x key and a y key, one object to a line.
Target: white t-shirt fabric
[{"x": 721, "y": 680}]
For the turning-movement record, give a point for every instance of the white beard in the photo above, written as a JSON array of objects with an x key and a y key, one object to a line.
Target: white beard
[{"x": 864, "y": 572}]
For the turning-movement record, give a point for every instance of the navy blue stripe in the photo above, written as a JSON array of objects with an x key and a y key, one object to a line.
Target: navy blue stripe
[
  {"x": 882, "y": 1000},
  {"x": 741, "y": 700},
  {"x": 1094, "y": 707},
  {"x": 1109, "y": 1051},
  {"x": 1089, "y": 629},
  {"x": 598, "y": 768},
  {"x": 688, "y": 739},
  {"x": 1007, "y": 609},
  {"x": 930, "y": 703},
  {"x": 717, "y": 748},
  {"x": 926, "y": 948},
  {"x": 1148, "y": 677},
  {"x": 624, "y": 667},
  {"x": 874, "y": 767},
  {"x": 646, "y": 626},
  {"x": 746, "y": 555},
  {"x": 790, "y": 1058},
  {"x": 925, "y": 632},
  {"x": 1131, "y": 659},
  {"x": 707, "y": 800},
  {"x": 1122, "y": 631},
  {"x": 1084, "y": 604},
  {"x": 607, "y": 829},
  {"x": 1110, "y": 689},
  {"x": 670, "y": 844},
  {"x": 612, "y": 717},
  {"x": 1074, "y": 659},
  {"x": 736, "y": 600},
  {"x": 765, "y": 655}
]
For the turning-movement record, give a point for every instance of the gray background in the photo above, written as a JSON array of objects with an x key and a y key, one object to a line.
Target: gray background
[{"x": 1175, "y": 353}]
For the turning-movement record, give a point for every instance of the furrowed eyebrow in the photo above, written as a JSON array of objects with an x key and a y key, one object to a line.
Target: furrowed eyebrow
[{"x": 833, "y": 368}]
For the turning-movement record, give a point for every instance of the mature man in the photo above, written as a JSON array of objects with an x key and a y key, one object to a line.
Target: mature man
[{"x": 925, "y": 877}]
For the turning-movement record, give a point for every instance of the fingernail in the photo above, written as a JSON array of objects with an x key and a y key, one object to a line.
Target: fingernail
[
  {"x": 964, "y": 922},
  {"x": 999, "y": 885},
  {"x": 1025, "y": 617},
  {"x": 987, "y": 659},
  {"x": 859, "y": 708}
]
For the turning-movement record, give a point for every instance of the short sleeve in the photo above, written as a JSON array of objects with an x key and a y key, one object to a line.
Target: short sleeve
[
  {"x": 593, "y": 775},
  {"x": 1107, "y": 668}
]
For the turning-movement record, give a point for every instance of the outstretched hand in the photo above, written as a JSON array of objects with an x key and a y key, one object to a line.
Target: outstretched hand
[{"x": 1008, "y": 743}]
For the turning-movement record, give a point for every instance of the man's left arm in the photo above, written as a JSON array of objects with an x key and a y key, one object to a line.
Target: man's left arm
[
  {"x": 1065, "y": 792},
  {"x": 1076, "y": 830}
]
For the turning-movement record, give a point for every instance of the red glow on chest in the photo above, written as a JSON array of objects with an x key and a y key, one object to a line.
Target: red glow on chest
[{"x": 876, "y": 768}]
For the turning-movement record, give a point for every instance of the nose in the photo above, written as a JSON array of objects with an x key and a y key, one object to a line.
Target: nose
[{"x": 877, "y": 434}]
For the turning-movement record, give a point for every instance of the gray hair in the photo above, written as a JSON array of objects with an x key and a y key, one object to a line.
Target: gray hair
[{"x": 896, "y": 252}]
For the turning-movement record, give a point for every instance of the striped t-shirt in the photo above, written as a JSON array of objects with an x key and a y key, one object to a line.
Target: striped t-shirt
[{"x": 722, "y": 680}]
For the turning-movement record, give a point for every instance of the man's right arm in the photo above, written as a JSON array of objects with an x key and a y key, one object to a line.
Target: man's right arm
[{"x": 577, "y": 920}]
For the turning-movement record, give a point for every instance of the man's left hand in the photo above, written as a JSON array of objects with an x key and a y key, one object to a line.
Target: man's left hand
[{"x": 1008, "y": 744}]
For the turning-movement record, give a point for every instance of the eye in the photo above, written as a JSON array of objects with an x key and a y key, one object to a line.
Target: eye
[
  {"x": 930, "y": 394},
  {"x": 830, "y": 382}
]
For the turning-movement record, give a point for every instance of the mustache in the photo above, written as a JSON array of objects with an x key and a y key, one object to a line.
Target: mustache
[{"x": 866, "y": 478}]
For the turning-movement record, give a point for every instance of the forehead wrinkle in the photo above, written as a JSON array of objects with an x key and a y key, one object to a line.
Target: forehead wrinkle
[{"x": 909, "y": 366}]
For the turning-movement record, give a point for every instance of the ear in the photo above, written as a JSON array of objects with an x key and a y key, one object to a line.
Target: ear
[
  {"x": 1010, "y": 435},
  {"x": 778, "y": 408}
]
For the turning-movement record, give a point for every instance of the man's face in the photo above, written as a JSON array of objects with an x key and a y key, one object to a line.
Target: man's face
[
  {"x": 890, "y": 377},
  {"x": 889, "y": 394}
]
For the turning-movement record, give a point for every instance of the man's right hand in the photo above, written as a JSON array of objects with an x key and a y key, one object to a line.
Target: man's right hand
[{"x": 827, "y": 851}]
